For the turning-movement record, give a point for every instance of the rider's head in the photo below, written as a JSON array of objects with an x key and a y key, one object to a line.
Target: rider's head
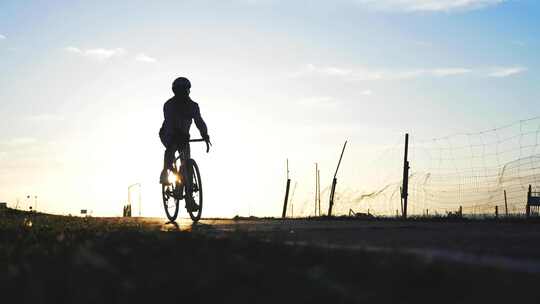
[{"x": 181, "y": 86}]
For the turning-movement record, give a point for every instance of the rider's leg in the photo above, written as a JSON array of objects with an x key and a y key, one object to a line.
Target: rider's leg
[
  {"x": 168, "y": 157},
  {"x": 187, "y": 174}
]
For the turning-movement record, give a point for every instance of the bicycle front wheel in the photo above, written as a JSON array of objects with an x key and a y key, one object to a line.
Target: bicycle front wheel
[
  {"x": 170, "y": 201},
  {"x": 197, "y": 191}
]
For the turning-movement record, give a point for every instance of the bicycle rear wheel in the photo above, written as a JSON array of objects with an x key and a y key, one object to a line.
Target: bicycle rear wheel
[
  {"x": 197, "y": 191},
  {"x": 170, "y": 200}
]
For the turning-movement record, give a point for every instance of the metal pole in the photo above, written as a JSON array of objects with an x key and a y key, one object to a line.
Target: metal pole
[
  {"x": 129, "y": 195},
  {"x": 405, "y": 191},
  {"x": 140, "y": 200}
]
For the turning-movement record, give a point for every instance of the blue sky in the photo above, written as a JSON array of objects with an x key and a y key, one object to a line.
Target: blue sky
[{"x": 82, "y": 86}]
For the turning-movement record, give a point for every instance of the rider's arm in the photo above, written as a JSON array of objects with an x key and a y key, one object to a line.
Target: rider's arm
[{"x": 199, "y": 122}]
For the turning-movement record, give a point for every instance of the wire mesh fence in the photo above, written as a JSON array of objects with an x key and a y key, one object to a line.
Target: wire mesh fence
[{"x": 469, "y": 172}]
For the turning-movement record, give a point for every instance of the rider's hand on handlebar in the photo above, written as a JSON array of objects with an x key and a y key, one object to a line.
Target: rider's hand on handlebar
[{"x": 208, "y": 143}]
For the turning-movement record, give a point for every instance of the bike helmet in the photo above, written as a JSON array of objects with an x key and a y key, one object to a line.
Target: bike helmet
[{"x": 181, "y": 83}]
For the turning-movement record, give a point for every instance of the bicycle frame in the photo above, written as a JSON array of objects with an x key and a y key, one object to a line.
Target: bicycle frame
[{"x": 179, "y": 193}]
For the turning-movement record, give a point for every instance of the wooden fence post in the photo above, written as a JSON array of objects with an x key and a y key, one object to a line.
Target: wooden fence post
[
  {"x": 528, "y": 208},
  {"x": 284, "y": 213},
  {"x": 334, "y": 182},
  {"x": 505, "y": 204},
  {"x": 406, "y": 167}
]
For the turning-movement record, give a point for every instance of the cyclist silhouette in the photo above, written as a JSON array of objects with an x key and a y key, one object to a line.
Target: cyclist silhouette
[{"x": 179, "y": 112}]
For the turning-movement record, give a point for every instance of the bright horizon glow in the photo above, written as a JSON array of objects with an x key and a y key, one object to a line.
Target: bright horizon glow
[{"x": 83, "y": 86}]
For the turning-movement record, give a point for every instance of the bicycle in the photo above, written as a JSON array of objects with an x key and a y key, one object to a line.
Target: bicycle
[{"x": 176, "y": 190}]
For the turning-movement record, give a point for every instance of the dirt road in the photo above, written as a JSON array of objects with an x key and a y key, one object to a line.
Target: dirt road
[
  {"x": 57, "y": 259},
  {"x": 511, "y": 244}
]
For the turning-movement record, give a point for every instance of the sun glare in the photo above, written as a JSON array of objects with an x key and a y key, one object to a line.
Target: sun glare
[{"x": 172, "y": 177}]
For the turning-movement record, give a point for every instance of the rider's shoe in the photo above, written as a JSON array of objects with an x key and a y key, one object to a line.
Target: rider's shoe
[
  {"x": 164, "y": 177},
  {"x": 191, "y": 206}
]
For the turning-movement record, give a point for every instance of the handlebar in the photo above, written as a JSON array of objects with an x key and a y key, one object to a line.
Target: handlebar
[{"x": 208, "y": 144}]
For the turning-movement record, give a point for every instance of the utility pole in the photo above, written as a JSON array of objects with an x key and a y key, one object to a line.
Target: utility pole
[
  {"x": 284, "y": 213},
  {"x": 334, "y": 182},
  {"x": 405, "y": 187}
]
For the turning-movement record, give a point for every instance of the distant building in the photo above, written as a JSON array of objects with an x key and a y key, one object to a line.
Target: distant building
[{"x": 3, "y": 205}]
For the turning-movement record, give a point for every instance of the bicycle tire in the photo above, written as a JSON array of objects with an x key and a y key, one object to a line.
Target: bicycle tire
[
  {"x": 197, "y": 185},
  {"x": 167, "y": 199}
]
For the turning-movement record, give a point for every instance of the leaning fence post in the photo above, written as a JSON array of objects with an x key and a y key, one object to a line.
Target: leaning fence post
[
  {"x": 286, "y": 192},
  {"x": 334, "y": 182}
]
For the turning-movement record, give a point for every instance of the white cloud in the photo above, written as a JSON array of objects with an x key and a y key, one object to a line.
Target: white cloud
[
  {"x": 429, "y": 5},
  {"x": 145, "y": 58},
  {"x": 450, "y": 72},
  {"x": 73, "y": 49},
  {"x": 2, "y": 37},
  {"x": 501, "y": 72},
  {"x": 98, "y": 53},
  {"x": 20, "y": 141},
  {"x": 318, "y": 101},
  {"x": 372, "y": 74},
  {"x": 366, "y": 92},
  {"x": 44, "y": 117},
  {"x": 423, "y": 43}
]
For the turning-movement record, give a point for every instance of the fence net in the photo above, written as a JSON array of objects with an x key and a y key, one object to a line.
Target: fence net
[{"x": 468, "y": 170}]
